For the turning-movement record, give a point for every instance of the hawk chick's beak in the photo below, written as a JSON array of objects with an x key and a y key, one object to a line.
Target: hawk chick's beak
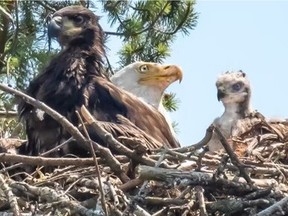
[{"x": 220, "y": 94}]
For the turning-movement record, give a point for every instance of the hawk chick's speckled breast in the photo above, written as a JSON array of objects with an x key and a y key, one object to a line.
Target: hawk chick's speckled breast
[{"x": 233, "y": 90}]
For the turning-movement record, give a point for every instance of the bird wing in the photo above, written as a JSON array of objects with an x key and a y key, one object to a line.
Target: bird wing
[{"x": 106, "y": 102}]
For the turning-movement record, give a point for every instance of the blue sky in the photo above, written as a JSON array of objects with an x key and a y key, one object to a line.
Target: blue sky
[{"x": 230, "y": 35}]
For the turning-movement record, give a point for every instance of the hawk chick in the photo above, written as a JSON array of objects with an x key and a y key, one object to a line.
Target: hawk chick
[{"x": 233, "y": 89}]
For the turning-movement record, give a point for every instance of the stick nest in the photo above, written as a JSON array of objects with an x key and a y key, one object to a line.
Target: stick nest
[{"x": 247, "y": 178}]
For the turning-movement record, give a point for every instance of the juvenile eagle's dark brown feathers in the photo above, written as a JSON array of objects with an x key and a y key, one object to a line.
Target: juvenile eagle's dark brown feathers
[{"x": 74, "y": 78}]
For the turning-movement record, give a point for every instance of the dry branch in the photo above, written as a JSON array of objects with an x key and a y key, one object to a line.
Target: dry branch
[
  {"x": 96, "y": 165},
  {"x": 44, "y": 161},
  {"x": 112, "y": 142},
  {"x": 8, "y": 114},
  {"x": 233, "y": 156},
  {"x": 10, "y": 196},
  {"x": 279, "y": 208}
]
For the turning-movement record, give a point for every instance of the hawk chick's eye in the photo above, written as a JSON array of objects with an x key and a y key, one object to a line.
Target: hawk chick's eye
[
  {"x": 143, "y": 68},
  {"x": 237, "y": 86},
  {"x": 78, "y": 19}
]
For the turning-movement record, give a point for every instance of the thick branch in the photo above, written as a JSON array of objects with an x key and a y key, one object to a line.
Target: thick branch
[
  {"x": 193, "y": 178},
  {"x": 44, "y": 161},
  {"x": 279, "y": 208}
]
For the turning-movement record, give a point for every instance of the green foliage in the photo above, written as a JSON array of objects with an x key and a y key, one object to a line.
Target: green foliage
[
  {"x": 146, "y": 28},
  {"x": 170, "y": 102}
]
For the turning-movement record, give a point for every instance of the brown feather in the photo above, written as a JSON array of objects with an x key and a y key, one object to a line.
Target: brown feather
[{"x": 75, "y": 77}]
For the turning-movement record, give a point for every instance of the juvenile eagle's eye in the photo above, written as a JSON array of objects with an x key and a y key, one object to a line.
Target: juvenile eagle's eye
[
  {"x": 144, "y": 68},
  {"x": 237, "y": 86},
  {"x": 78, "y": 19}
]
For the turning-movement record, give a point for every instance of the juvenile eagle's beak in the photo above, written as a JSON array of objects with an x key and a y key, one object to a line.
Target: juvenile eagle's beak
[
  {"x": 158, "y": 74},
  {"x": 54, "y": 27},
  {"x": 63, "y": 29}
]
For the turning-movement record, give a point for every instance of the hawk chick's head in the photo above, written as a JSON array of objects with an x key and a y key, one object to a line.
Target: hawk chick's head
[
  {"x": 233, "y": 88},
  {"x": 77, "y": 24}
]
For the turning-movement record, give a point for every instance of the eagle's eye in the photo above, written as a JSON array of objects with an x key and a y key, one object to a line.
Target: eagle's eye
[
  {"x": 78, "y": 19},
  {"x": 144, "y": 68},
  {"x": 237, "y": 86}
]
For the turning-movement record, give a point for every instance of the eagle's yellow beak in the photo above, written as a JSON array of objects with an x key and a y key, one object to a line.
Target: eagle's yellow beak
[{"x": 159, "y": 75}]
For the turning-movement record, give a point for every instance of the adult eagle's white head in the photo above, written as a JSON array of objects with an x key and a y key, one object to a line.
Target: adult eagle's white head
[{"x": 148, "y": 81}]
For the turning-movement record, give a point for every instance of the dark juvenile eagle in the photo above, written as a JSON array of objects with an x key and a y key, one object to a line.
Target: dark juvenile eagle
[
  {"x": 75, "y": 77},
  {"x": 234, "y": 91},
  {"x": 148, "y": 81}
]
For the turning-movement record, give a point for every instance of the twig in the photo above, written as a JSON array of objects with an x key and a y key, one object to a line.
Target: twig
[
  {"x": 257, "y": 194},
  {"x": 57, "y": 147},
  {"x": 6, "y": 14},
  {"x": 138, "y": 211},
  {"x": 164, "y": 201},
  {"x": 221, "y": 167},
  {"x": 96, "y": 165},
  {"x": 113, "y": 143},
  {"x": 200, "y": 144},
  {"x": 200, "y": 158},
  {"x": 112, "y": 162},
  {"x": 233, "y": 156},
  {"x": 177, "y": 155},
  {"x": 146, "y": 182},
  {"x": 114, "y": 211},
  {"x": 14, "y": 166},
  {"x": 232, "y": 207},
  {"x": 200, "y": 196},
  {"x": 189, "y": 207},
  {"x": 10, "y": 196},
  {"x": 76, "y": 208},
  {"x": 8, "y": 114},
  {"x": 113, "y": 193},
  {"x": 109, "y": 66},
  {"x": 51, "y": 196},
  {"x": 144, "y": 185},
  {"x": 46, "y": 6},
  {"x": 131, "y": 184}
]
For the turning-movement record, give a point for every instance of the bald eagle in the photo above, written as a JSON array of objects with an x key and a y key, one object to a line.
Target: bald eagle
[
  {"x": 75, "y": 77},
  {"x": 148, "y": 81}
]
